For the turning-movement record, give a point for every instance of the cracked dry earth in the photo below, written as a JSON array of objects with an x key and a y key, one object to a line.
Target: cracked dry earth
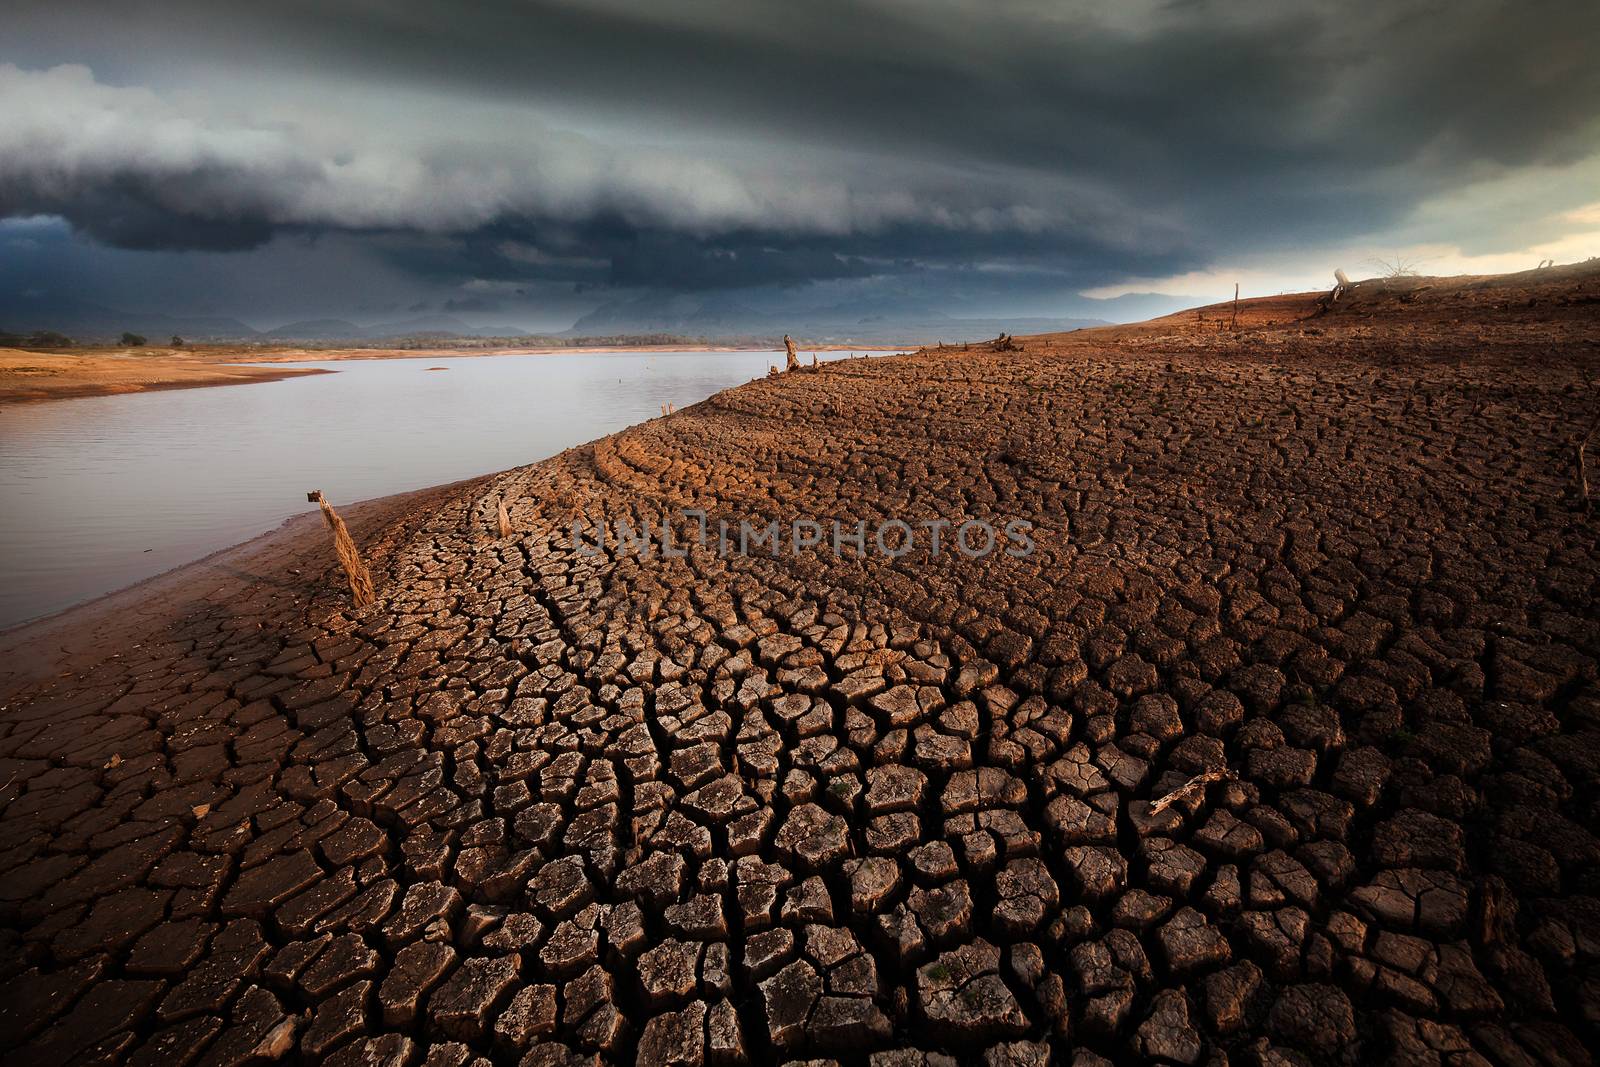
[{"x": 537, "y": 806}]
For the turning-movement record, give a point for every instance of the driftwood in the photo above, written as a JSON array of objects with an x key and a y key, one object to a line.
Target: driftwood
[
  {"x": 344, "y": 546},
  {"x": 1005, "y": 343},
  {"x": 793, "y": 360},
  {"x": 1234, "y": 325},
  {"x": 502, "y": 519},
  {"x": 1342, "y": 284},
  {"x": 1199, "y": 781}
]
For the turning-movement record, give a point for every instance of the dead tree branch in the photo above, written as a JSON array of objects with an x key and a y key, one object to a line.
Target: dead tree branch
[
  {"x": 1342, "y": 283},
  {"x": 344, "y": 546},
  {"x": 1199, "y": 781}
]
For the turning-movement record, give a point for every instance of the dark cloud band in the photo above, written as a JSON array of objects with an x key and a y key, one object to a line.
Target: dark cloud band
[{"x": 760, "y": 142}]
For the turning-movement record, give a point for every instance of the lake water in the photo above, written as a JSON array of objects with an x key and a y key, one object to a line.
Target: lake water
[{"x": 99, "y": 492}]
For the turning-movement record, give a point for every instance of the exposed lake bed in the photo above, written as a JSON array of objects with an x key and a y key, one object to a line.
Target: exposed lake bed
[{"x": 1300, "y": 595}]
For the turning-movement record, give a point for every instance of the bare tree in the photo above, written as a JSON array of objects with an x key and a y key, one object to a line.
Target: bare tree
[{"x": 1398, "y": 267}]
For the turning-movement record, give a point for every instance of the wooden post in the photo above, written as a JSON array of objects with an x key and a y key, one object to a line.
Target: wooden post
[
  {"x": 1235, "y": 324},
  {"x": 344, "y": 546}
]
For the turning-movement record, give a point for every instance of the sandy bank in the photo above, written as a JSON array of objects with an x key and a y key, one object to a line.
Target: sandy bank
[{"x": 32, "y": 376}]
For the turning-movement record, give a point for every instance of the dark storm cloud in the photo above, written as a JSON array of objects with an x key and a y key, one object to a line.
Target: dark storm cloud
[
  {"x": 764, "y": 142},
  {"x": 125, "y": 212},
  {"x": 609, "y": 254},
  {"x": 727, "y": 263},
  {"x": 1202, "y": 83}
]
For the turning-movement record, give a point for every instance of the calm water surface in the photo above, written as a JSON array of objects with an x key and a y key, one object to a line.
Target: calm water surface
[{"x": 99, "y": 492}]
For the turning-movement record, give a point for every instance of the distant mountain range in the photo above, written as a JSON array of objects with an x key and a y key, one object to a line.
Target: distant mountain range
[
  {"x": 711, "y": 318},
  {"x": 893, "y": 318},
  {"x": 84, "y": 321},
  {"x": 422, "y": 326},
  {"x": 687, "y": 315},
  {"x": 90, "y": 322}
]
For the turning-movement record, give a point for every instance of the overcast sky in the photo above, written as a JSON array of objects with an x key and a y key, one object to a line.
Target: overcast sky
[{"x": 523, "y": 161}]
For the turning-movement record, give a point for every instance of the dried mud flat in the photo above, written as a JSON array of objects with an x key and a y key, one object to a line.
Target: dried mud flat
[{"x": 541, "y": 806}]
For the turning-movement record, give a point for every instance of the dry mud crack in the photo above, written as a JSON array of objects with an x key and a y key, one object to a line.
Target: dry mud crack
[{"x": 538, "y": 806}]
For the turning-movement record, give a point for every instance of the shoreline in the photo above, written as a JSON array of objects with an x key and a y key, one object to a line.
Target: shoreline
[
  {"x": 13, "y": 633},
  {"x": 37, "y": 649},
  {"x": 30, "y": 377},
  {"x": 311, "y": 355},
  {"x": 298, "y": 534}
]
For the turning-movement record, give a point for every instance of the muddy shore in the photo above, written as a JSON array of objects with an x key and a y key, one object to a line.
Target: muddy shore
[
  {"x": 279, "y": 569},
  {"x": 1320, "y": 584}
]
